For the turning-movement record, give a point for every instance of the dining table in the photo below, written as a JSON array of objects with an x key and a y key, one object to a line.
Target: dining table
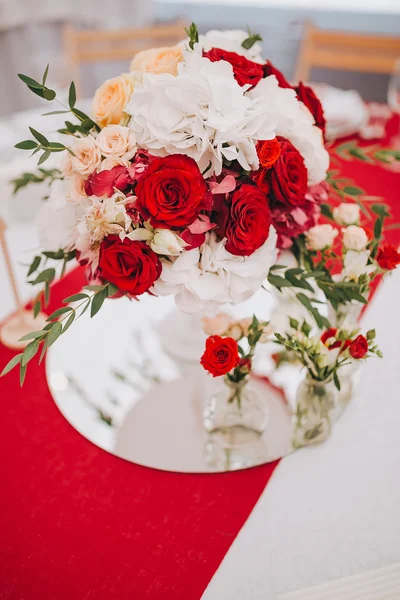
[{"x": 79, "y": 522}]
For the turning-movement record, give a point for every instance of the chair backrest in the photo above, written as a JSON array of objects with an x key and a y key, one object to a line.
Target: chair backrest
[
  {"x": 92, "y": 45},
  {"x": 346, "y": 51}
]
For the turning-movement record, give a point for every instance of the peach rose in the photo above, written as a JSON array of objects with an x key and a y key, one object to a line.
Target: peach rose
[
  {"x": 87, "y": 156},
  {"x": 115, "y": 140},
  {"x": 217, "y": 325},
  {"x": 111, "y": 98},
  {"x": 76, "y": 189},
  {"x": 66, "y": 166},
  {"x": 158, "y": 60}
]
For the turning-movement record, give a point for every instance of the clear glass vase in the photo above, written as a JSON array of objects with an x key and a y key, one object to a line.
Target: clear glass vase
[
  {"x": 237, "y": 412},
  {"x": 318, "y": 405}
]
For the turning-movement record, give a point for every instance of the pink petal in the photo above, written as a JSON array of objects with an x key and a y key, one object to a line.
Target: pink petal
[
  {"x": 228, "y": 184},
  {"x": 201, "y": 225}
]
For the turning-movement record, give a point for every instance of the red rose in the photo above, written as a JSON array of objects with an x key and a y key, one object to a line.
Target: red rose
[
  {"x": 220, "y": 356},
  {"x": 388, "y": 258},
  {"x": 105, "y": 182},
  {"x": 132, "y": 266},
  {"x": 329, "y": 333},
  {"x": 171, "y": 191},
  {"x": 248, "y": 222},
  {"x": 268, "y": 152},
  {"x": 269, "y": 69},
  {"x": 288, "y": 177},
  {"x": 358, "y": 347},
  {"x": 307, "y": 95},
  {"x": 244, "y": 70}
]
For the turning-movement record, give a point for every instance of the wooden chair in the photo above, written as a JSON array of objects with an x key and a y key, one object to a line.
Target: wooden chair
[
  {"x": 92, "y": 45},
  {"x": 346, "y": 52}
]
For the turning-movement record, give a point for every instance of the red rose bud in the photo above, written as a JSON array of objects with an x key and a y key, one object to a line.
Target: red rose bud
[
  {"x": 171, "y": 191},
  {"x": 388, "y": 257},
  {"x": 220, "y": 356},
  {"x": 307, "y": 95},
  {"x": 358, "y": 347},
  {"x": 268, "y": 152},
  {"x": 245, "y": 365},
  {"x": 249, "y": 220},
  {"x": 130, "y": 265},
  {"x": 269, "y": 69},
  {"x": 244, "y": 70},
  {"x": 328, "y": 334},
  {"x": 103, "y": 184},
  {"x": 288, "y": 178}
]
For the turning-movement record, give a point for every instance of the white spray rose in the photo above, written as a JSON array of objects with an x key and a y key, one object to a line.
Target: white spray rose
[
  {"x": 355, "y": 264},
  {"x": 321, "y": 237},
  {"x": 355, "y": 238},
  {"x": 347, "y": 213},
  {"x": 115, "y": 140},
  {"x": 167, "y": 242}
]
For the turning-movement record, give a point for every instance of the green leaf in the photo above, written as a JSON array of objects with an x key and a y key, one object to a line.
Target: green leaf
[
  {"x": 36, "y": 308},
  {"x": 55, "y": 112},
  {"x": 293, "y": 323},
  {"x": 97, "y": 301},
  {"x": 351, "y": 190},
  {"x": 72, "y": 95},
  {"x": 22, "y": 373},
  {"x": 54, "y": 333},
  {"x": 382, "y": 210},
  {"x": 278, "y": 281},
  {"x": 44, "y": 157},
  {"x": 43, "y": 351},
  {"x": 11, "y": 364},
  {"x": 75, "y": 298},
  {"x": 112, "y": 290},
  {"x": 193, "y": 35},
  {"x": 30, "y": 82},
  {"x": 60, "y": 311},
  {"x": 69, "y": 321},
  {"x": 49, "y": 94},
  {"x": 251, "y": 40},
  {"x": 46, "y": 293},
  {"x": 336, "y": 380},
  {"x": 30, "y": 352},
  {"x": 326, "y": 211},
  {"x": 33, "y": 335},
  {"x": 34, "y": 265},
  {"x": 306, "y": 328},
  {"x": 39, "y": 136},
  {"x": 378, "y": 228},
  {"x": 46, "y": 275},
  {"x": 371, "y": 334},
  {"x": 26, "y": 145},
  {"x": 46, "y": 72}
]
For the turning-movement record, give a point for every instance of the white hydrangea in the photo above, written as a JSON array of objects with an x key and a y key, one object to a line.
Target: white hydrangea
[
  {"x": 203, "y": 113},
  {"x": 294, "y": 122},
  {"x": 231, "y": 40},
  {"x": 56, "y": 219},
  {"x": 210, "y": 276}
]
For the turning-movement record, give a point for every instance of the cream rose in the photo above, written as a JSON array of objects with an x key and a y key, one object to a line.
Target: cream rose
[
  {"x": 355, "y": 238},
  {"x": 158, "y": 60},
  {"x": 115, "y": 140},
  {"x": 321, "y": 237},
  {"x": 347, "y": 213},
  {"x": 217, "y": 325},
  {"x": 75, "y": 189},
  {"x": 86, "y": 157},
  {"x": 111, "y": 98}
]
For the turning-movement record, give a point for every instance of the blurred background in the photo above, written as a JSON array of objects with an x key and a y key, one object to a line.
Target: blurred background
[{"x": 32, "y": 33}]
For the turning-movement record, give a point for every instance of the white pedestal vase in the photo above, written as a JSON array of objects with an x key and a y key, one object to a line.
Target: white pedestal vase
[{"x": 182, "y": 336}]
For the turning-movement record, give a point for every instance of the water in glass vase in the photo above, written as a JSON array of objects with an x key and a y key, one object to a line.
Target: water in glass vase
[{"x": 236, "y": 412}]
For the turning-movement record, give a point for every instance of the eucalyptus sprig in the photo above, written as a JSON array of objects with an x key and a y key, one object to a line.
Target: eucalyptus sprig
[
  {"x": 40, "y": 176},
  {"x": 84, "y": 126},
  {"x": 58, "y": 323},
  {"x": 47, "y": 275},
  {"x": 372, "y": 154}
]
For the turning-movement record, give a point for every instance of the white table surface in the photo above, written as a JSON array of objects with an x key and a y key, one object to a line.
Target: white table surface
[{"x": 328, "y": 512}]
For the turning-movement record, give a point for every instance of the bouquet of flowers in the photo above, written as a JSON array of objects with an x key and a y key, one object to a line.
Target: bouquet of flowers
[{"x": 193, "y": 169}]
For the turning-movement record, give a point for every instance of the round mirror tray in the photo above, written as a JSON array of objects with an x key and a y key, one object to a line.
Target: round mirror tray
[{"x": 129, "y": 380}]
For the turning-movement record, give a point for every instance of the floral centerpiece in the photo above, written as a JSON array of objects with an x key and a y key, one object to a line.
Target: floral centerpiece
[{"x": 193, "y": 169}]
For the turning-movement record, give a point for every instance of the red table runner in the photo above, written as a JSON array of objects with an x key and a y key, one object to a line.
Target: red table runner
[{"x": 80, "y": 523}]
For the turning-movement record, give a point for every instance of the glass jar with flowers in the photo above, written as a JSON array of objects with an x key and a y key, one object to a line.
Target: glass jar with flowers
[
  {"x": 322, "y": 396},
  {"x": 235, "y": 408}
]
